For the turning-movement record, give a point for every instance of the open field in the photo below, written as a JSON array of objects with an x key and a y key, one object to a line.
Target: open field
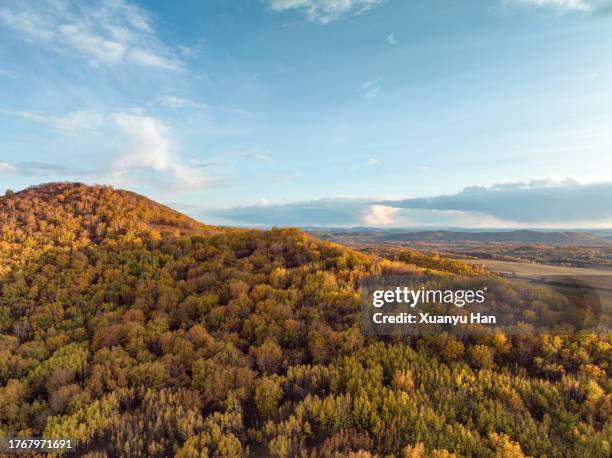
[
  {"x": 530, "y": 269},
  {"x": 599, "y": 279}
]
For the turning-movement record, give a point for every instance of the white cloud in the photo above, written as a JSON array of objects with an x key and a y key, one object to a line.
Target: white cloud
[
  {"x": 370, "y": 89},
  {"x": 257, "y": 154},
  {"x": 391, "y": 39},
  {"x": 150, "y": 148},
  {"x": 74, "y": 121},
  {"x": 150, "y": 145},
  {"x": 150, "y": 59},
  {"x": 147, "y": 148},
  {"x": 373, "y": 161},
  {"x": 7, "y": 168},
  {"x": 102, "y": 31},
  {"x": 379, "y": 215},
  {"x": 323, "y": 11},
  {"x": 30, "y": 24},
  {"x": 95, "y": 46},
  {"x": 560, "y": 5},
  {"x": 172, "y": 101}
]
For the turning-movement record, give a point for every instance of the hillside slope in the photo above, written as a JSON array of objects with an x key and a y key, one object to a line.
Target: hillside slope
[{"x": 139, "y": 342}]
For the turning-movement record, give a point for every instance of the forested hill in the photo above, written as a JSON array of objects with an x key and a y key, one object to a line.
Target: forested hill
[
  {"x": 75, "y": 215},
  {"x": 94, "y": 212},
  {"x": 139, "y": 332}
]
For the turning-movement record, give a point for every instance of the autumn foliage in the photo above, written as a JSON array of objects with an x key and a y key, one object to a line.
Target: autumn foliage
[{"x": 138, "y": 331}]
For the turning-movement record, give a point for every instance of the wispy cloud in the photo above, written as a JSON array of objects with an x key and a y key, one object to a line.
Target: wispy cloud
[
  {"x": 34, "y": 168},
  {"x": 102, "y": 32},
  {"x": 74, "y": 121},
  {"x": 257, "y": 154},
  {"x": 370, "y": 89},
  {"x": 391, "y": 39},
  {"x": 559, "y": 5},
  {"x": 205, "y": 165},
  {"x": 172, "y": 101},
  {"x": 373, "y": 161},
  {"x": 150, "y": 59},
  {"x": 323, "y": 11},
  {"x": 5, "y": 167},
  {"x": 175, "y": 102}
]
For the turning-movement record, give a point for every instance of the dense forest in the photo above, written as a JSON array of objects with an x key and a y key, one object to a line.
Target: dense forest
[{"x": 138, "y": 331}]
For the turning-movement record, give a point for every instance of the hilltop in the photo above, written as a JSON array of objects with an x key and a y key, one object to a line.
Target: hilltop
[
  {"x": 95, "y": 212},
  {"x": 75, "y": 215}
]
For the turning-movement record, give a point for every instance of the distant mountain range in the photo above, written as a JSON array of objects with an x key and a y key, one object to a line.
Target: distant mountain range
[{"x": 516, "y": 236}]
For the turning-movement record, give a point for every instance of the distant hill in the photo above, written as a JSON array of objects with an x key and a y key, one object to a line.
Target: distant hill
[
  {"x": 518, "y": 236},
  {"x": 523, "y": 236}
]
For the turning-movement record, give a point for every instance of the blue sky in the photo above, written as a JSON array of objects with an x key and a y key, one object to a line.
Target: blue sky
[{"x": 318, "y": 112}]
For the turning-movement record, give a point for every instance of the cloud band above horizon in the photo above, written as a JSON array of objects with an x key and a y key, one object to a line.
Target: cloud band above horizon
[{"x": 541, "y": 203}]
